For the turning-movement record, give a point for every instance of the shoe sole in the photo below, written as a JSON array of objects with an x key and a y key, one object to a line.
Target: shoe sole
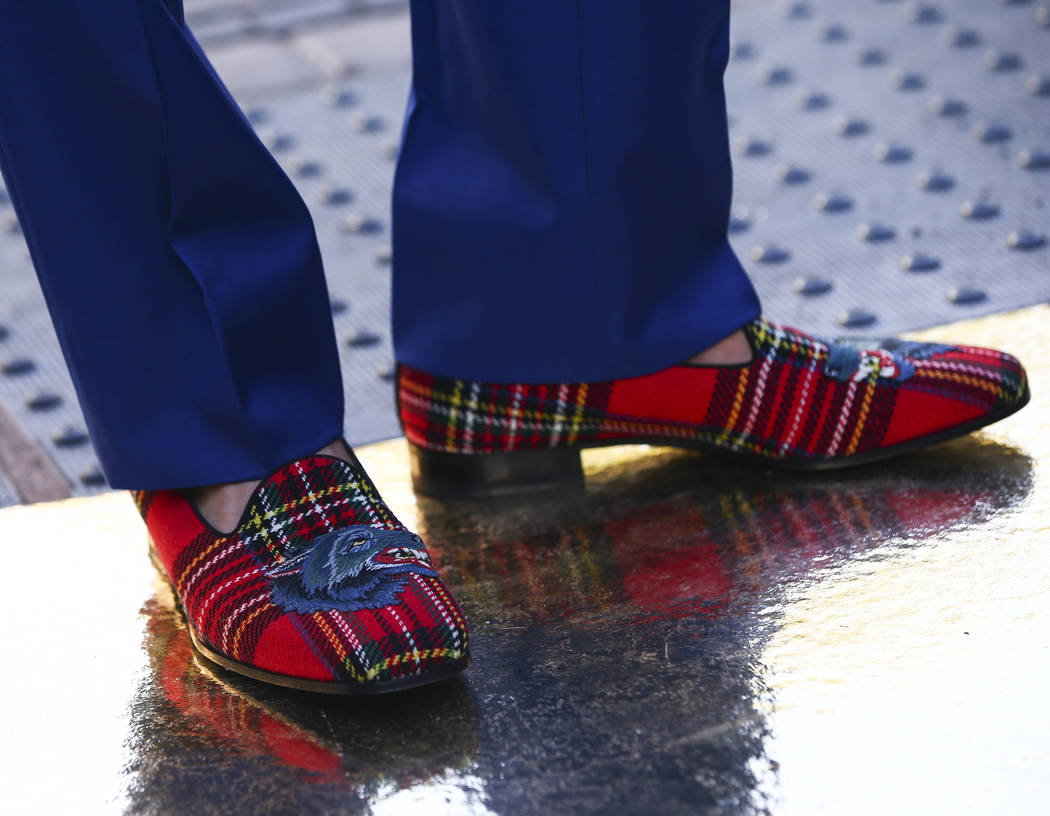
[
  {"x": 477, "y": 476},
  {"x": 446, "y": 672}
]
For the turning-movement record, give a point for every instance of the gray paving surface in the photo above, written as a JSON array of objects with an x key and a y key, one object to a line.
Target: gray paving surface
[
  {"x": 215, "y": 21},
  {"x": 924, "y": 126},
  {"x": 8, "y": 496}
]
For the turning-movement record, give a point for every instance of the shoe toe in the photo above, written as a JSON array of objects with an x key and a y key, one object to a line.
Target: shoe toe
[
  {"x": 357, "y": 607},
  {"x": 967, "y": 386},
  {"x": 424, "y": 633}
]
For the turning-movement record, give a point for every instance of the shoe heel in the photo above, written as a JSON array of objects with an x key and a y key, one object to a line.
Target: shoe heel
[{"x": 475, "y": 476}]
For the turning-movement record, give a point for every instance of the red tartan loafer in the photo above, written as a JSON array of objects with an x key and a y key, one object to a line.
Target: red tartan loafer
[
  {"x": 319, "y": 588},
  {"x": 800, "y": 403}
]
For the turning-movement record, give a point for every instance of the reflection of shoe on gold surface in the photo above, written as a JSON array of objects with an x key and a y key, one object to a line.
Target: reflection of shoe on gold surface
[
  {"x": 801, "y": 403},
  {"x": 319, "y": 588}
]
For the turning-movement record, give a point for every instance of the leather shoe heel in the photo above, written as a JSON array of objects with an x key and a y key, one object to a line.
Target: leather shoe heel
[{"x": 457, "y": 476}]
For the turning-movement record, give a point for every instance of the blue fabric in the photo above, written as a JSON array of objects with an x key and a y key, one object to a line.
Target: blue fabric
[
  {"x": 179, "y": 264},
  {"x": 562, "y": 196},
  {"x": 560, "y": 213}
]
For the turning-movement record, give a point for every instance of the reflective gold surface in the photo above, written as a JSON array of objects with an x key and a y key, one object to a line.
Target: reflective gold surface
[{"x": 689, "y": 636}]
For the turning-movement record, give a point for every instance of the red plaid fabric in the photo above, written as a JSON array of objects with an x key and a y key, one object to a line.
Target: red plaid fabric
[
  {"x": 800, "y": 401},
  {"x": 319, "y": 582}
]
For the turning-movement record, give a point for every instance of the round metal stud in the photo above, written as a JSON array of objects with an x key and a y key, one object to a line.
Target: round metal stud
[
  {"x": 42, "y": 401},
  {"x": 813, "y": 101},
  {"x": 892, "y": 153},
  {"x": 811, "y": 286},
  {"x": 922, "y": 13},
  {"x": 936, "y": 182},
  {"x": 833, "y": 203},
  {"x": 69, "y": 437},
  {"x": 752, "y": 147},
  {"x": 384, "y": 255},
  {"x": 1025, "y": 240},
  {"x": 769, "y": 254},
  {"x": 92, "y": 477},
  {"x": 389, "y": 148},
  {"x": 338, "y": 306},
  {"x": 363, "y": 339},
  {"x": 849, "y": 126},
  {"x": 336, "y": 196},
  {"x": 831, "y": 32},
  {"x": 856, "y": 318},
  {"x": 276, "y": 142},
  {"x": 992, "y": 132},
  {"x": 739, "y": 220},
  {"x": 996, "y": 60},
  {"x": 363, "y": 123},
  {"x": 742, "y": 51},
  {"x": 1034, "y": 159},
  {"x": 387, "y": 373},
  {"x": 257, "y": 115},
  {"x": 868, "y": 57},
  {"x": 966, "y": 295},
  {"x": 336, "y": 97},
  {"x": 961, "y": 37},
  {"x": 791, "y": 174},
  {"x": 17, "y": 367},
  {"x": 1038, "y": 85},
  {"x": 919, "y": 262},
  {"x": 362, "y": 225},
  {"x": 307, "y": 168},
  {"x": 775, "y": 75},
  {"x": 907, "y": 80},
  {"x": 876, "y": 233},
  {"x": 979, "y": 210},
  {"x": 947, "y": 106},
  {"x": 795, "y": 10}
]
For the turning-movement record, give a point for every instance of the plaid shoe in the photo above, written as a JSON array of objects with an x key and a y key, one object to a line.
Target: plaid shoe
[
  {"x": 319, "y": 588},
  {"x": 801, "y": 403}
]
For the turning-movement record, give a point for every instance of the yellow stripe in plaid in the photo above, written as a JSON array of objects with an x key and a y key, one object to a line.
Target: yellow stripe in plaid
[
  {"x": 336, "y": 642},
  {"x": 414, "y": 655},
  {"x": 734, "y": 414},
  {"x": 206, "y": 552},
  {"x": 963, "y": 379},
  {"x": 577, "y": 417},
  {"x": 862, "y": 418},
  {"x": 244, "y": 626},
  {"x": 455, "y": 401}
]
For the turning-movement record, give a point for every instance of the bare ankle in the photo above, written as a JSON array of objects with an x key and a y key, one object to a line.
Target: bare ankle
[
  {"x": 733, "y": 350},
  {"x": 223, "y": 505}
]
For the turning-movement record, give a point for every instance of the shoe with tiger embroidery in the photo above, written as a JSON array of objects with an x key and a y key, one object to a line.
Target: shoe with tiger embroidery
[
  {"x": 319, "y": 587},
  {"x": 801, "y": 403}
]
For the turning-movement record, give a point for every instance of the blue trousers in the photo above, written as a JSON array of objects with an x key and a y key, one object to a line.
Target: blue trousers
[{"x": 560, "y": 212}]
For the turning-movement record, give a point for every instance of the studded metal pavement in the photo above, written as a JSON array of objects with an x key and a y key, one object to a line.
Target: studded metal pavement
[
  {"x": 892, "y": 164},
  {"x": 215, "y": 21}
]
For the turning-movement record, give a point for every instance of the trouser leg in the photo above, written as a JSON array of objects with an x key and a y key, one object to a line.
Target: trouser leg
[
  {"x": 562, "y": 196},
  {"x": 179, "y": 264}
]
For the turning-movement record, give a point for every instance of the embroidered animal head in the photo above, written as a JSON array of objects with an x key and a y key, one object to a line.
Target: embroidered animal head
[
  {"x": 358, "y": 567},
  {"x": 847, "y": 363}
]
